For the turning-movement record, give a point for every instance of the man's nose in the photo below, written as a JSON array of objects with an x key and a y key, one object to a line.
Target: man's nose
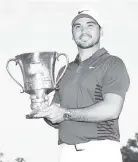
[{"x": 83, "y": 29}]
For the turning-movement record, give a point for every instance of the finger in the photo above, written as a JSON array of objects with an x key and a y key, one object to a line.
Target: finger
[
  {"x": 41, "y": 113},
  {"x": 54, "y": 120},
  {"x": 49, "y": 118},
  {"x": 47, "y": 109},
  {"x": 44, "y": 113}
]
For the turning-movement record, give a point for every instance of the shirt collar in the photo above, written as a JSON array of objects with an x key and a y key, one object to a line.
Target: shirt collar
[{"x": 92, "y": 58}]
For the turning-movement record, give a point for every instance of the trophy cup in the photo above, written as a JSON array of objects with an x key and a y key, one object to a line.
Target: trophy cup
[{"x": 38, "y": 71}]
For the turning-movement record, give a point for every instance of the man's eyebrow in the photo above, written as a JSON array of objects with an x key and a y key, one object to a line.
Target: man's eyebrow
[
  {"x": 76, "y": 24},
  {"x": 89, "y": 22}
]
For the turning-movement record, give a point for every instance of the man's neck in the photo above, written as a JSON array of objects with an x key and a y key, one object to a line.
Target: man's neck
[{"x": 88, "y": 52}]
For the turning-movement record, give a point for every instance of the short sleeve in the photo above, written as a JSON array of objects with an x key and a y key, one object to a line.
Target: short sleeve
[{"x": 116, "y": 79}]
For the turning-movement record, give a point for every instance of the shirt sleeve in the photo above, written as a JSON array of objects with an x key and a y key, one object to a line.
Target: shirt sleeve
[{"x": 116, "y": 79}]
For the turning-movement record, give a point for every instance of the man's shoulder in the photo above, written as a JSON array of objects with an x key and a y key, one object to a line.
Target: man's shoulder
[
  {"x": 113, "y": 59},
  {"x": 114, "y": 63}
]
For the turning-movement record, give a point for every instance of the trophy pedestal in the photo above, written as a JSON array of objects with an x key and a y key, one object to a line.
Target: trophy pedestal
[
  {"x": 38, "y": 97},
  {"x": 30, "y": 116}
]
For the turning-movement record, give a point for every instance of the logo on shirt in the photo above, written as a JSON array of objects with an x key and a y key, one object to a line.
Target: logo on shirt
[{"x": 91, "y": 67}]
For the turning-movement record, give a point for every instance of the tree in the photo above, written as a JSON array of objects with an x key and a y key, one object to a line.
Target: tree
[
  {"x": 20, "y": 159},
  {"x": 1, "y": 156},
  {"x": 130, "y": 151}
]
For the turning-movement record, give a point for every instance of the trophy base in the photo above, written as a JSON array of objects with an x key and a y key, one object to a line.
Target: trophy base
[{"x": 30, "y": 116}]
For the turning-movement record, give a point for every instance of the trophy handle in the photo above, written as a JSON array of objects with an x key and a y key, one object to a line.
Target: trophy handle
[
  {"x": 7, "y": 67},
  {"x": 66, "y": 66}
]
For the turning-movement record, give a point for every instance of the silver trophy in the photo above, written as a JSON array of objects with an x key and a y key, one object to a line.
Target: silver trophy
[{"x": 38, "y": 70}]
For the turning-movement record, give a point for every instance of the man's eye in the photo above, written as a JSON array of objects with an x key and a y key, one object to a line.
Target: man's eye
[
  {"x": 90, "y": 25},
  {"x": 77, "y": 27}
]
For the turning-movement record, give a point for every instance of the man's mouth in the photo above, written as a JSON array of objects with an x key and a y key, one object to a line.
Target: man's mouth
[{"x": 85, "y": 38}]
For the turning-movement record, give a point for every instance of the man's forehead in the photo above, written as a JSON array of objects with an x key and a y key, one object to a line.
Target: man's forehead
[{"x": 84, "y": 20}]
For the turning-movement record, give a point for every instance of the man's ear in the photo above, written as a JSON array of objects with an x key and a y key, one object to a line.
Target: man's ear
[
  {"x": 72, "y": 34},
  {"x": 101, "y": 32}
]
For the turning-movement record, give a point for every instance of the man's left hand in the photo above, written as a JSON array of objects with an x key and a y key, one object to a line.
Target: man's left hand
[{"x": 54, "y": 113}]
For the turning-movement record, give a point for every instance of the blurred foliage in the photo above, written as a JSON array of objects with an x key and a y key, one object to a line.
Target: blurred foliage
[
  {"x": 3, "y": 159},
  {"x": 130, "y": 151},
  {"x": 20, "y": 159}
]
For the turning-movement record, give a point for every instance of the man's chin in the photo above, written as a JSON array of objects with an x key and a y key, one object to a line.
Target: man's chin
[{"x": 84, "y": 46}]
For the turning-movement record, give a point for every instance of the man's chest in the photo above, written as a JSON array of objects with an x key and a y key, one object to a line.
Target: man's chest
[{"x": 81, "y": 87}]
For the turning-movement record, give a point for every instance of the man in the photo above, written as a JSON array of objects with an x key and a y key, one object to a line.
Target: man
[{"x": 87, "y": 106}]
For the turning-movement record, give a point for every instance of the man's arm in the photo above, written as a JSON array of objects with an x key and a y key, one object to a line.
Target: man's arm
[
  {"x": 116, "y": 82},
  {"x": 105, "y": 110}
]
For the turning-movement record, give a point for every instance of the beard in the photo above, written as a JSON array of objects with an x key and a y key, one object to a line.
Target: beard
[
  {"x": 85, "y": 41},
  {"x": 87, "y": 44}
]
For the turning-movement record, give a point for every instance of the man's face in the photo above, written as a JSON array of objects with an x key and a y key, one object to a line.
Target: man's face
[{"x": 86, "y": 32}]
